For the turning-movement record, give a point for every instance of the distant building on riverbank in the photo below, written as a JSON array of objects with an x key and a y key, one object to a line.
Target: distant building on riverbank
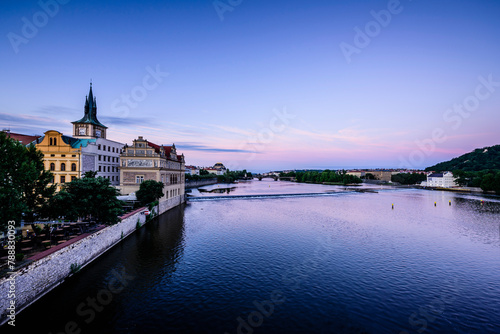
[
  {"x": 442, "y": 180},
  {"x": 144, "y": 160},
  {"x": 356, "y": 173},
  {"x": 192, "y": 170},
  {"x": 217, "y": 169}
]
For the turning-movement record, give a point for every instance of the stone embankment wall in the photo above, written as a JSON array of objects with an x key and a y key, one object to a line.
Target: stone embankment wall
[
  {"x": 41, "y": 276},
  {"x": 199, "y": 183}
]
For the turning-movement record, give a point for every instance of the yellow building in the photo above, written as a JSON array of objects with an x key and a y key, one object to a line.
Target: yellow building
[{"x": 62, "y": 155}]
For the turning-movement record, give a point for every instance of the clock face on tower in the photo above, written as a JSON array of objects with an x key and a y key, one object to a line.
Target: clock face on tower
[
  {"x": 98, "y": 133},
  {"x": 81, "y": 131}
]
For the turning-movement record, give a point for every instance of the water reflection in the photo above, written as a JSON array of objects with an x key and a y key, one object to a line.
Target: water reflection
[
  {"x": 143, "y": 261},
  {"x": 226, "y": 190}
]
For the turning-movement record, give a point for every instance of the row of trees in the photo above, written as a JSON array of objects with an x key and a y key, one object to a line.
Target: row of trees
[
  {"x": 231, "y": 176},
  {"x": 327, "y": 176},
  {"x": 203, "y": 175},
  {"x": 487, "y": 180},
  {"x": 227, "y": 177},
  {"x": 409, "y": 178},
  {"x": 26, "y": 191}
]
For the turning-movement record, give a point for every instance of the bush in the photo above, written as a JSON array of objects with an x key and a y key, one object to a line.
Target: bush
[{"x": 75, "y": 267}]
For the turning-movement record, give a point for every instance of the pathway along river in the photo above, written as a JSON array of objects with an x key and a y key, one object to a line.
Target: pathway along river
[{"x": 293, "y": 262}]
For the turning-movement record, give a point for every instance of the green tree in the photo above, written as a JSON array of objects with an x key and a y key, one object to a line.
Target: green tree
[
  {"x": 369, "y": 176},
  {"x": 409, "y": 178},
  {"x": 90, "y": 198},
  {"x": 36, "y": 189},
  {"x": 488, "y": 182},
  {"x": 149, "y": 191},
  {"x": 496, "y": 184},
  {"x": 61, "y": 206},
  {"x": 12, "y": 164},
  {"x": 24, "y": 183}
]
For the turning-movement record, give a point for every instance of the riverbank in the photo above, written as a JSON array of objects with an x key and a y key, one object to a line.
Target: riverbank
[
  {"x": 458, "y": 190},
  {"x": 199, "y": 183}
]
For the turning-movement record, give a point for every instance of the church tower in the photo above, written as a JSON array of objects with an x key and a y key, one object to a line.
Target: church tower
[{"x": 89, "y": 126}]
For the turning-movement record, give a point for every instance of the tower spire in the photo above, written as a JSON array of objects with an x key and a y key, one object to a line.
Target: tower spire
[{"x": 90, "y": 115}]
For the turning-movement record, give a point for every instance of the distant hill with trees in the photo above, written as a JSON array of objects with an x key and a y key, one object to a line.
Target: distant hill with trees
[{"x": 477, "y": 160}]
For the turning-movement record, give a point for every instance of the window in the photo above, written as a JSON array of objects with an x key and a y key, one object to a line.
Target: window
[
  {"x": 112, "y": 178},
  {"x": 109, "y": 158},
  {"x": 104, "y": 147},
  {"x": 51, "y": 142},
  {"x": 109, "y": 148},
  {"x": 74, "y": 155},
  {"x": 63, "y": 155},
  {"x": 99, "y": 146},
  {"x": 73, "y": 167},
  {"x": 139, "y": 179},
  {"x": 99, "y": 158},
  {"x": 99, "y": 168},
  {"x": 52, "y": 166},
  {"x": 73, "y": 178},
  {"x": 52, "y": 155},
  {"x": 63, "y": 166},
  {"x": 109, "y": 169},
  {"x": 55, "y": 141},
  {"x": 113, "y": 150},
  {"x": 63, "y": 179}
]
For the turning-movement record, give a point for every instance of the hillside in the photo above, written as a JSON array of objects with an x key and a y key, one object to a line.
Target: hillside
[{"x": 479, "y": 159}]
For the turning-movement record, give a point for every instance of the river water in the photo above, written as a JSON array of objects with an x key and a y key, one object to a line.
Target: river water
[{"x": 280, "y": 257}]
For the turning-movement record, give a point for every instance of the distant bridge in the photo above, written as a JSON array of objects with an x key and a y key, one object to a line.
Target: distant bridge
[{"x": 275, "y": 177}]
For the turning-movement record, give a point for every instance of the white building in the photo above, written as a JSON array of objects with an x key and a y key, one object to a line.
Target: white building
[
  {"x": 216, "y": 171},
  {"x": 442, "y": 180},
  {"x": 192, "y": 170}
]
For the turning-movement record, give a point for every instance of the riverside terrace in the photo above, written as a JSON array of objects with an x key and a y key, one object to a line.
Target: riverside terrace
[
  {"x": 51, "y": 238},
  {"x": 41, "y": 238}
]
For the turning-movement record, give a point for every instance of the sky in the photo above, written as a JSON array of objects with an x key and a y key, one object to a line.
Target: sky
[{"x": 261, "y": 85}]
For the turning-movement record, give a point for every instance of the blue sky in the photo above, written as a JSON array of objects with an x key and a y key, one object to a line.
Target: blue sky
[{"x": 261, "y": 85}]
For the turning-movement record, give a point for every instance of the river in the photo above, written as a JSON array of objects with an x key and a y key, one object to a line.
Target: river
[{"x": 280, "y": 257}]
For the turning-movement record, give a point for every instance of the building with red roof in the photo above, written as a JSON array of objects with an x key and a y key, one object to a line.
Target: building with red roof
[{"x": 144, "y": 160}]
